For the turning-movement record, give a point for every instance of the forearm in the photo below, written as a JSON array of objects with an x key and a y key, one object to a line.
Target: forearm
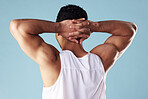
[
  {"x": 35, "y": 26},
  {"x": 114, "y": 27}
]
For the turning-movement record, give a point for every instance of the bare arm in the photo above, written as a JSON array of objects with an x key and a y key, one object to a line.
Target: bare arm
[
  {"x": 26, "y": 31},
  {"x": 122, "y": 36}
]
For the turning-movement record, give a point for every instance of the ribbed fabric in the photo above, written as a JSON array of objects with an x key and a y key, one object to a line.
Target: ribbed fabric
[{"x": 79, "y": 78}]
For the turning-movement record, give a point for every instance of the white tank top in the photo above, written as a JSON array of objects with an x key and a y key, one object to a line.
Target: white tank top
[{"x": 79, "y": 78}]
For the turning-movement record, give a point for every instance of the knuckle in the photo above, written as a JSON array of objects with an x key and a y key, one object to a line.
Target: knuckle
[
  {"x": 85, "y": 31},
  {"x": 88, "y": 30},
  {"x": 79, "y": 32},
  {"x": 81, "y": 25},
  {"x": 88, "y": 23},
  {"x": 76, "y": 33}
]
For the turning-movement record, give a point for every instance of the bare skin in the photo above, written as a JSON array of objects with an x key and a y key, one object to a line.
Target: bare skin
[{"x": 26, "y": 32}]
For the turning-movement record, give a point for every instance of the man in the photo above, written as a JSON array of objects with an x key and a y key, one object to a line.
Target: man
[{"x": 73, "y": 73}]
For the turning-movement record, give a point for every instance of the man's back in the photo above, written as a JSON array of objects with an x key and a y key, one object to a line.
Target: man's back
[
  {"x": 79, "y": 78},
  {"x": 68, "y": 32}
]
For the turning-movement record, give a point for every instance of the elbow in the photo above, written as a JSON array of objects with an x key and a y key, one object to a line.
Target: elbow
[
  {"x": 18, "y": 26},
  {"x": 14, "y": 25},
  {"x": 133, "y": 26},
  {"x": 133, "y": 29}
]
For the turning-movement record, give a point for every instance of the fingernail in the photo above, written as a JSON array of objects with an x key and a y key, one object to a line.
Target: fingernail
[
  {"x": 69, "y": 37},
  {"x": 87, "y": 36},
  {"x": 88, "y": 23},
  {"x": 83, "y": 18},
  {"x": 70, "y": 33},
  {"x": 70, "y": 26},
  {"x": 77, "y": 41}
]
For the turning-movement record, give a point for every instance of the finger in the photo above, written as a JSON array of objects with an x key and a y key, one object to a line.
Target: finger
[
  {"x": 81, "y": 19},
  {"x": 81, "y": 31},
  {"x": 83, "y": 38},
  {"x": 83, "y": 35},
  {"x": 76, "y": 21},
  {"x": 81, "y": 25},
  {"x": 74, "y": 33},
  {"x": 78, "y": 24},
  {"x": 84, "y": 24},
  {"x": 74, "y": 40},
  {"x": 72, "y": 37},
  {"x": 79, "y": 38},
  {"x": 85, "y": 31}
]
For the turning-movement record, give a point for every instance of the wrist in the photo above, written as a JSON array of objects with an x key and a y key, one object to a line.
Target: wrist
[
  {"x": 57, "y": 27},
  {"x": 94, "y": 26}
]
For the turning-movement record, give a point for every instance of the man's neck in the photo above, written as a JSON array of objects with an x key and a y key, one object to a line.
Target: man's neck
[{"x": 77, "y": 49}]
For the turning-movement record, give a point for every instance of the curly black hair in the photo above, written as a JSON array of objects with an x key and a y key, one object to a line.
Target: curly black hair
[{"x": 70, "y": 12}]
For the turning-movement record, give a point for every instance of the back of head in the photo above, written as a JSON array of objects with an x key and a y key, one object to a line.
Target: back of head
[{"x": 70, "y": 12}]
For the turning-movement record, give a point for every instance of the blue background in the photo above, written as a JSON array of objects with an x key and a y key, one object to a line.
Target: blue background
[{"x": 20, "y": 76}]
